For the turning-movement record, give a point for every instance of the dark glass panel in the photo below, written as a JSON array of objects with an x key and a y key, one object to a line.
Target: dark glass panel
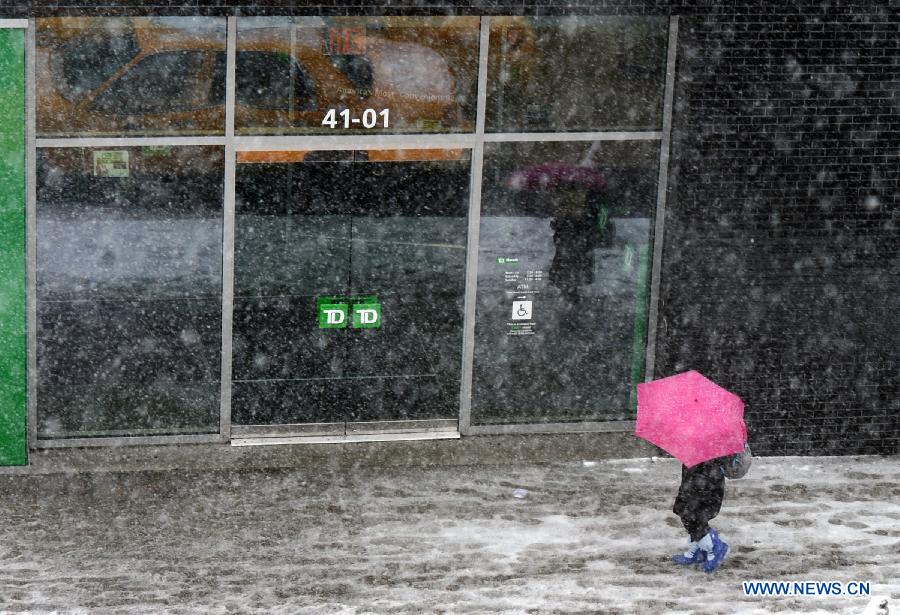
[
  {"x": 576, "y": 73},
  {"x": 129, "y": 284},
  {"x": 349, "y": 224},
  {"x": 562, "y": 280}
]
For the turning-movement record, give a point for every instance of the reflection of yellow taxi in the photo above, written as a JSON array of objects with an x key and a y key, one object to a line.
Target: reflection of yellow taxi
[{"x": 151, "y": 76}]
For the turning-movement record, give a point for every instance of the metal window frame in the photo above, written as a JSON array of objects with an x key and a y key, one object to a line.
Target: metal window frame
[
  {"x": 32, "y": 145},
  {"x": 662, "y": 187},
  {"x": 127, "y": 141},
  {"x": 471, "y": 289},
  {"x": 233, "y": 144},
  {"x": 228, "y": 234},
  {"x": 466, "y": 427}
]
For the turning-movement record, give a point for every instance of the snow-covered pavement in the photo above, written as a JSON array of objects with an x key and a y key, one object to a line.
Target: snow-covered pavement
[{"x": 587, "y": 537}]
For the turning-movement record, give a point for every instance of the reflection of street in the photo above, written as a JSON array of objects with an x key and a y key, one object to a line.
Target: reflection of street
[
  {"x": 102, "y": 256},
  {"x": 129, "y": 322},
  {"x": 386, "y": 253}
]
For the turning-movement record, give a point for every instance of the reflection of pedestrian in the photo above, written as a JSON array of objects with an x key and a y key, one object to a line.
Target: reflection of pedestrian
[
  {"x": 572, "y": 191},
  {"x": 578, "y": 227},
  {"x": 698, "y": 501},
  {"x": 573, "y": 261}
]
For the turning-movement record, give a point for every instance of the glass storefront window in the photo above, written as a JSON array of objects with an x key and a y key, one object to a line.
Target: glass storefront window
[
  {"x": 559, "y": 74},
  {"x": 355, "y": 74},
  {"x": 349, "y": 266},
  {"x": 320, "y": 234},
  {"x": 129, "y": 290},
  {"x": 563, "y": 262},
  {"x": 140, "y": 76}
]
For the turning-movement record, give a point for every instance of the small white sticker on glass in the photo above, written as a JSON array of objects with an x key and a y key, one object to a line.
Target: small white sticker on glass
[{"x": 521, "y": 310}]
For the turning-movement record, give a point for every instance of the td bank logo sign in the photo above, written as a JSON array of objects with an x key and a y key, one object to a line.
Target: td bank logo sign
[{"x": 340, "y": 312}]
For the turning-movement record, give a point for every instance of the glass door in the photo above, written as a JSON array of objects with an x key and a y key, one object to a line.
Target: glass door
[{"x": 349, "y": 285}]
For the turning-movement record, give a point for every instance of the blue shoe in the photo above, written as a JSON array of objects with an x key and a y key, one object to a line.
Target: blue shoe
[
  {"x": 716, "y": 555},
  {"x": 693, "y": 555}
]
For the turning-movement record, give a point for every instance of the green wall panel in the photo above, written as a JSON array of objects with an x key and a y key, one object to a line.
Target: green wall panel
[{"x": 13, "y": 443}]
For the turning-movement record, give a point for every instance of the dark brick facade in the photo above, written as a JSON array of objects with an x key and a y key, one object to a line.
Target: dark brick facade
[
  {"x": 781, "y": 269},
  {"x": 782, "y": 261}
]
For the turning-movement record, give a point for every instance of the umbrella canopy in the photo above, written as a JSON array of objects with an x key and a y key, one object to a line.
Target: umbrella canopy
[
  {"x": 553, "y": 175},
  {"x": 690, "y": 417}
]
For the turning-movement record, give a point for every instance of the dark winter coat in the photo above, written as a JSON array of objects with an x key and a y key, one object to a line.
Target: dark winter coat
[{"x": 700, "y": 496}]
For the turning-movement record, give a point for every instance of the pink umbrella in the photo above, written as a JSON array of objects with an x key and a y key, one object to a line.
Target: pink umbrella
[
  {"x": 690, "y": 417},
  {"x": 553, "y": 174}
]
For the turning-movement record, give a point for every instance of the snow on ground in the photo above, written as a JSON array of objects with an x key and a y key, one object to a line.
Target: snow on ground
[{"x": 586, "y": 538}]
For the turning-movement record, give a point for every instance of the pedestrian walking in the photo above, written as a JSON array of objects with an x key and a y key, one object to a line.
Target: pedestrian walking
[{"x": 702, "y": 425}]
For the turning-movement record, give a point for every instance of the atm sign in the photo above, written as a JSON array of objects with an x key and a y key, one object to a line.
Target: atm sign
[{"x": 335, "y": 312}]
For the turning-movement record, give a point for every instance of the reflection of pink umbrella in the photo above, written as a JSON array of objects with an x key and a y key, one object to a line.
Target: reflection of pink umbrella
[
  {"x": 690, "y": 417},
  {"x": 554, "y": 174}
]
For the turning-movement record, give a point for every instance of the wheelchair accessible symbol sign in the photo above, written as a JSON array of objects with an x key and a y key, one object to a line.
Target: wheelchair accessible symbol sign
[
  {"x": 522, "y": 317},
  {"x": 521, "y": 310}
]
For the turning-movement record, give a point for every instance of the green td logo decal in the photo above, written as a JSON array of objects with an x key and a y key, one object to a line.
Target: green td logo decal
[
  {"x": 332, "y": 312},
  {"x": 366, "y": 315},
  {"x": 335, "y": 312}
]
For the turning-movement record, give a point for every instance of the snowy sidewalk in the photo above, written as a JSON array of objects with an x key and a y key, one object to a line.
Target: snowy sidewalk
[{"x": 586, "y": 538}]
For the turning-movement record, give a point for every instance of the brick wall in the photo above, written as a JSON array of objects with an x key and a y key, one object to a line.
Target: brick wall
[
  {"x": 781, "y": 270},
  {"x": 782, "y": 262}
]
